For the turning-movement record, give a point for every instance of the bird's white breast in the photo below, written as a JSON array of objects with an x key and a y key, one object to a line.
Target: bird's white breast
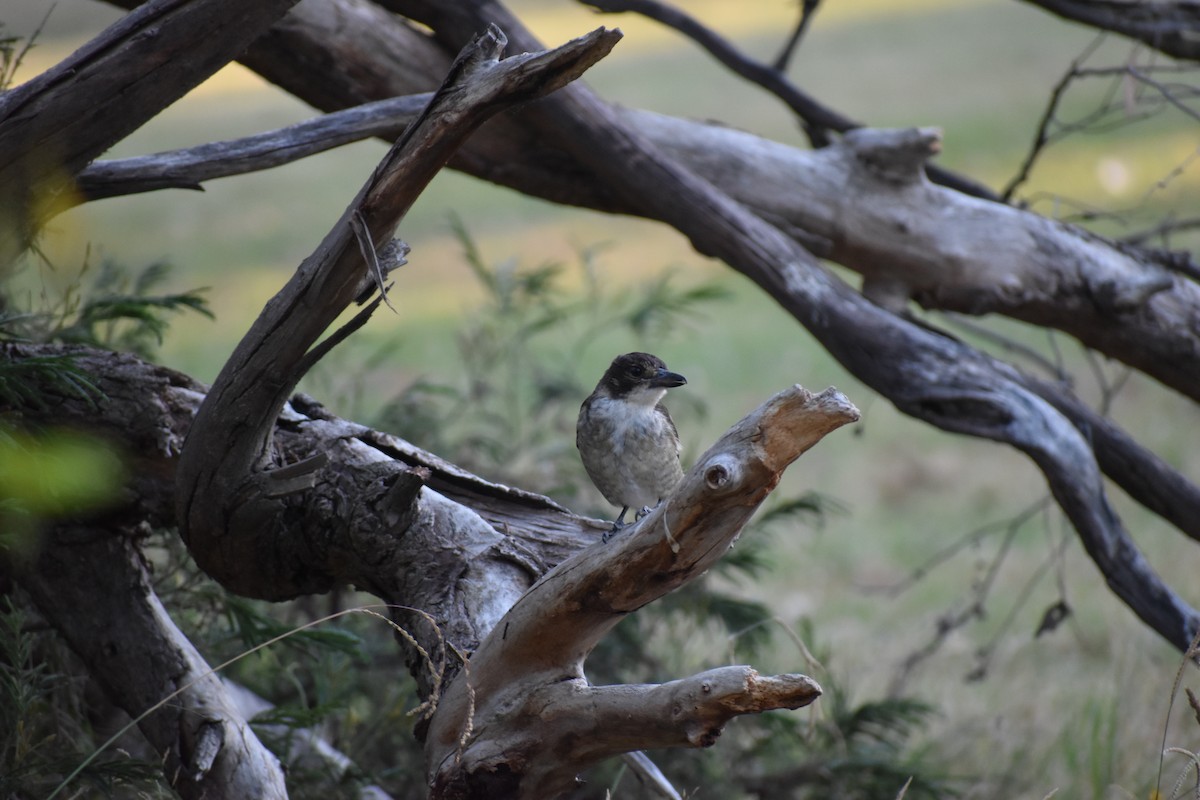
[{"x": 627, "y": 420}]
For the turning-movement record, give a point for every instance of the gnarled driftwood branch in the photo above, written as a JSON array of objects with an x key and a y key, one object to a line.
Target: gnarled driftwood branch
[{"x": 525, "y": 692}]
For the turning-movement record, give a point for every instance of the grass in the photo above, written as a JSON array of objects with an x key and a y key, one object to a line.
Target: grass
[{"x": 1047, "y": 715}]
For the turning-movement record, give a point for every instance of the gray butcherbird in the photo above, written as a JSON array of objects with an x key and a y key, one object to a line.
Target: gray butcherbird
[{"x": 626, "y": 438}]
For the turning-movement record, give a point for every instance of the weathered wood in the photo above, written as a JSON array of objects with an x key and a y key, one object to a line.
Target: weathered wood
[
  {"x": 1170, "y": 27},
  {"x": 437, "y": 557},
  {"x": 525, "y": 695},
  {"x": 930, "y": 376},
  {"x": 190, "y": 167}
]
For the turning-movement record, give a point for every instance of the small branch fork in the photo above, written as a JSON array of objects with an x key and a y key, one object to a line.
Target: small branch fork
[{"x": 531, "y": 665}]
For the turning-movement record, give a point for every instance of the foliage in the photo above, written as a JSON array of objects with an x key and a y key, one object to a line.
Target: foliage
[
  {"x": 854, "y": 752},
  {"x": 49, "y": 717},
  {"x": 105, "y": 308},
  {"x": 44, "y": 724},
  {"x": 52, "y": 475},
  {"x": 24, "y": 383}
]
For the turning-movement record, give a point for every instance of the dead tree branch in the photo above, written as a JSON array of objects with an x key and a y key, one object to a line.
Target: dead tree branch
[
  {"x": 808, "y": 10},
  {"x": 531, "y": 664},
  {"x": 90, "y": 584},
  {"x": 542, "y": 638},
  {"x": 818, "y": 120},
  {"x": 433, "y": 558},
  {"x": 949, "y": 251},
  {"x": 190, "y": 167},
  {"x": 1049, "y": 273},
  {"x": 1120, "y": 106}
]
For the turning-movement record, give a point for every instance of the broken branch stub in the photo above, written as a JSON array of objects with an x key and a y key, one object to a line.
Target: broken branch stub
[{"x": 531, "y": 664}]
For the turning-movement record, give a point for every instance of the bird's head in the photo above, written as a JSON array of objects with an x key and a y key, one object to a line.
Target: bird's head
[{"x": 639, "y": 378}]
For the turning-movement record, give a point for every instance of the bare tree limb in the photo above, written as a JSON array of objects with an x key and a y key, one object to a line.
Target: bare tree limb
[
  {"x": 1156, "y": 336},
  {"x": 808, "y": 10},
  {"x": 466, "y": 531},
  {"x": 190, "y": 167},
  {"x": 818, "y": 120},
  {"x": 1041, "y": 136},
  {"x": 1171, "y": 27},
  {"x": 535, "y": 645},
  {"x": 1145, "y": 476},
  {"x": 949, "y": 251},
  {"x": 531, "y": 664},
  {"x": 952, "y": 252},
  {"x": 53, "y": 125}
]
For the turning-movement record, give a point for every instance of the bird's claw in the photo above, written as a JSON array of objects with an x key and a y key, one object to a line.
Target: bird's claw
[
  {"x": 619, "y": 524},
  {"x": 617, "y": 527}
]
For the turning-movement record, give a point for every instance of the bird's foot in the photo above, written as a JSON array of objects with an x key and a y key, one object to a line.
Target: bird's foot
[
  {"x": 643, "y": 512},
  {"x": 617, "y": 527}
]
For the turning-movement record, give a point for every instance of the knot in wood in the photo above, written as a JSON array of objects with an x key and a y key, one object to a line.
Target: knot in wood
[
  {"x": 896, "y": 156},
  {"x": 721, "y": 473}
]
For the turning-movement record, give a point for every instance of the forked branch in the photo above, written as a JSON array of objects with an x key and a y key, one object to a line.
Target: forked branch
[{"x": 530, "y": 667}]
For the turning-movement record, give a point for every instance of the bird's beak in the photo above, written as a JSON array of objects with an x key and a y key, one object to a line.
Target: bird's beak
[{"x": 664, "y": 379}]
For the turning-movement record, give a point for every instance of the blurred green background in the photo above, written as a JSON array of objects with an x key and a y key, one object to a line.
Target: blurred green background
[{"x": 1081, "y": 709}]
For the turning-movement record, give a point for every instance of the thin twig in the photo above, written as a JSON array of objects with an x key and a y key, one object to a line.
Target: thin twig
[
  {"x": 951, "y": 622},
  {"x": 1009, "y": 344},
  {"x": 951, "y": 550},
  {"x": 808, "y": 9},
  {"x": 1041, "y": 138}
]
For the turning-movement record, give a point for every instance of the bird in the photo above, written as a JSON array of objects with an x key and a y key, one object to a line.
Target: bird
[{"x": 627, "y": 441}]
